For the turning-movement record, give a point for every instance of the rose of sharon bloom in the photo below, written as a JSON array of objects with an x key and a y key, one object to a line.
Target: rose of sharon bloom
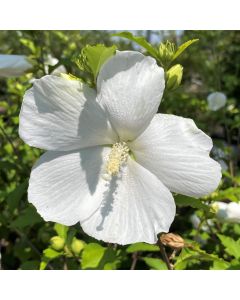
[
  {"x": 13, "y": 65},
  {"x": 227, "y": 212},
  {"x": 216, "y": 100},
  {"x": 112, "y": 161}
]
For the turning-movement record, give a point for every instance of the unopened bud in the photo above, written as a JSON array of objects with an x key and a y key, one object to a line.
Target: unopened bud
[
  {"x": 77, "y": 246},
  {"x": 166, "y": 52},
  {"x": 174, "y": 77},
  {"x": 57, "y": 243},
  {"x": 172, "y": 240}
]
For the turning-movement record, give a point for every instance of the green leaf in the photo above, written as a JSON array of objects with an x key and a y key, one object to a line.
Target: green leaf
[
  {"x": 48, "y": 255},
  {"x": 92, "y": 255},
  {"x": 61, "y": 230},
  {"x": 6, "y": 165},
  {"x": 140, "y": 41},
  {"x": 95, "y": 256},
  {"x": 183, "y": 47},
  {"x": 95, "y": 56},
  {"x": 232, "y": 193},
  {"x": 142, "y": 247},
  {"x": 155, "y": 263},
  {"x": 29, "y": 44},
  {"x": 194, "y": 255},
  {"x": 232, "y": 247},
  {"x": 30, "y": 265},
  {"x": 28, "y": 217},
  {"x": 16, "y": 195},
  {"x": 220, "y": 265},
  {"x": 188, "y": 201}
]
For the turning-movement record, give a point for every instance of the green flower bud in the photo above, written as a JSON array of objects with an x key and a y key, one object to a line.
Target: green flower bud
[
  {"x": 174, "y": 77},
  {"x": 77, "y": 246},
  {"x": 57, "y": 243},
  {"x": 166, "y": 52}
]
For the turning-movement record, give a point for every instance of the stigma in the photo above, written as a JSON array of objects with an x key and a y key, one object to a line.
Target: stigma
[{"x": 117, "y": 157}]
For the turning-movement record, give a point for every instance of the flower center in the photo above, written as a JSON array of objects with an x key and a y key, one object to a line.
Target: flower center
[{"x": 117, "y": 157}]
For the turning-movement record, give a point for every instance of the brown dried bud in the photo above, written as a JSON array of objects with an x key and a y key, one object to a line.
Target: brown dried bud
[{"x": 172, "y": 240}]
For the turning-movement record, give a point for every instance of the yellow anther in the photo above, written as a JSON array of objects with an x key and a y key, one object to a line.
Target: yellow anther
[{"x": 116, "y": 158}]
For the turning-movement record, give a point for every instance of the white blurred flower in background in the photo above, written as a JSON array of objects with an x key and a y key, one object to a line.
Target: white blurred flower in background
[
  {"x": 220, "y": 156},
  {"x": 216, "y": 100},
  {"x": 227, "y": 212},
  {"x": 196, "y": 221},
  {"x": 53, "y": 61},
  {"x": 13, "y": 65}
]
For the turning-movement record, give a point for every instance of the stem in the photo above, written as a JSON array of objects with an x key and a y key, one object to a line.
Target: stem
[
  {"x": 134, "y": 260},
  {"x": 9, "y": 140},
  {"x": 164, "y": 255}
]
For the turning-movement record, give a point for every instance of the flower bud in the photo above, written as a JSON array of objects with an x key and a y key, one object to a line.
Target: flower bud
[
  {"x": 166, "y": 52},
  {"x": 172, "y": 240},
  {"x": 57, "y": 243},
  {"x": 174, "y": 77},
  {"x": 77, "y": 246}
]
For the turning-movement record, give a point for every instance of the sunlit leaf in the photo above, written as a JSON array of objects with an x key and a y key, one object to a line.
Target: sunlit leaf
[
  {"x": 142, "y": 247},
  {"x": 232, "y": 247},
  {"x": 183, "y": 47},
  {"x": 61, "y": 230},
  {"x": 141, "y": 41},
  {"x": 155, "y": 263}
]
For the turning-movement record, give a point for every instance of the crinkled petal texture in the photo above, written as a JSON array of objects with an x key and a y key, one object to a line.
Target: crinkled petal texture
[
  {"x": 67, "y": 187},
  {"x": 135, "y": 208},
  {"x": 63, "y": 115},
  {"x": 13, "y": 65},
  {"x": 130, "y": 87},
  {"x": 177, "y": 152}
]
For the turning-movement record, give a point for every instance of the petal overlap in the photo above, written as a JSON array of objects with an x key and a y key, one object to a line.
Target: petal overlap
[
  {"x": 130, "y": 87},
  {"x": 67, "y": 187},
  {"x": 177, "y": 152},
  {"x": 135, "y": 208}
]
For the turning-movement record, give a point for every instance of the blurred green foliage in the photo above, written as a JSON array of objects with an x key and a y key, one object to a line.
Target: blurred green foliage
[{"x": 211, "y": 64}]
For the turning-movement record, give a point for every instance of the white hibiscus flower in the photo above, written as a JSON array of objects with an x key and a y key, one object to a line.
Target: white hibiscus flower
[
  {"x": 111, "y": 161},
  {"x": 13, "y": 65},
  {"x": 227, "y": 212},
  {"x": 216, "y": 100}
]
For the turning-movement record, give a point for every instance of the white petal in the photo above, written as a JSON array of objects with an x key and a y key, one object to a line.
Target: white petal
[
  {"x": 130, "y": 87},
  {"x": 135, "y": 208},
  {"x": 13, "y": 65},
  {"x": 177, "y": 152},
  {"x": 216, "y": 100},
  {"x": 67, "y": 187},
  {"x": 61, "y": 114}
]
